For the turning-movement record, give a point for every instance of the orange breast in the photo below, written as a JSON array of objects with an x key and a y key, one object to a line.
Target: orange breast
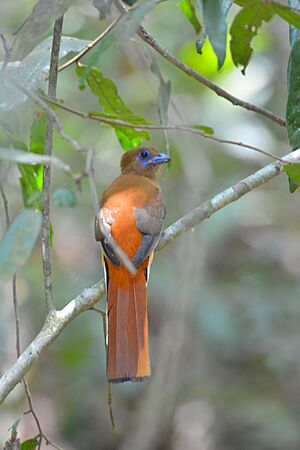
[{"x": 126, "y": 193}]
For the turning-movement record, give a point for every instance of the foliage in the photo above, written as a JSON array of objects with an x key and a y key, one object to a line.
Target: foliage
[
  {"x": 293, "y": 171},
  {"x": 115, "y": 108},
  {"x": 30, "y": 444},
  {"x": 123, "y": 30},
  {"x": 249, "y": 20},
  {"x": 188, "y": 8},
  {"x": 221, "y": 288},
  {"x": 292, "y": 106},
  {"x": 33, "y": 70}
]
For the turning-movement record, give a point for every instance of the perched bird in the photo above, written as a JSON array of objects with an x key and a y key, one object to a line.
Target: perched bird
[{"x": 131, "y": 215}]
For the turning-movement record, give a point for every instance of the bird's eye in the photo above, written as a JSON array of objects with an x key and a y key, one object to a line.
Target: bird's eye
[{"x": 144, "y": 154}]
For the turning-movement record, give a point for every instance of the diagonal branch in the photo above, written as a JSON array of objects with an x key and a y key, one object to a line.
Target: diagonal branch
[
  {"x": 58, "y": 320},
  {"x": 154, "y": 127},
  {"x": 149, "y": 39},
  {"x": 90, "y": 46}
]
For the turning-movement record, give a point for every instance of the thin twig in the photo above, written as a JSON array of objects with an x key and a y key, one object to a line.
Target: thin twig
[
  {"x": 36, "y": 99},
  {"x": 109, "y": 394},
  {"x": 156, "y": 127},
  {"x": 29, "y": 398},
  {"x": 149, "y": 39},
  {"x": 58, "y": 320},
  {"x": 90, "y": 46},
  {"x": 46, "y": 224}
]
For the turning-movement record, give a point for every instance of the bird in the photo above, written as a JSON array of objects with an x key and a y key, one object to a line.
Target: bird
[{"x": 130, "y": 218}]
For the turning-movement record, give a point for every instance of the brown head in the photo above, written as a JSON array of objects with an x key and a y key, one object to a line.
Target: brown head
[{"x": 144, "y": 161}]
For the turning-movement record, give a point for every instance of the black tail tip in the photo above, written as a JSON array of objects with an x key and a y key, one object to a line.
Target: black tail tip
[{"x": 126, "y": 378}]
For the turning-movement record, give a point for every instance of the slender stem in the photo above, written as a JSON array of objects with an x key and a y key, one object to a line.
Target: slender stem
[
  {"x": 109, "y": 394},
  {"x": 29, "y": 399},
  {"x": 58, "y": 321},
  {"x": 150, "y": 40},
  {"x": 156, "y": 127},
  {"x": 46, "y": 224},
  {"x": 40, "y": 102},
  {"x": 90, "y": 46}
]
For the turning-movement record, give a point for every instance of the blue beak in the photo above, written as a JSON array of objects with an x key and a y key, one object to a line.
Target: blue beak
[{"x": 161, "y": 158}]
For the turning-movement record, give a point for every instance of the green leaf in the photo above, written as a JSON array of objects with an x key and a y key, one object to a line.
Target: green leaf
[
  {"x": 31, "y": 179},
  {"x": 293, "y": 100},
  {"x": 293, "y": 172},
  {"x": 31, "y": 190},
  {"x": 215, "y": 26},
  {"x": 37, "y": 132},
  {"x": 64, "y": 197},
  {"x": 188, "y": 10},
  {"x": 286, "y": 14},
  {"x": 245, "y": 27},
  {"x": 111, "y": 102},
  {"x": 30, "y": 444},
  {"x": 37, "y": 143},
  {"x": 125, "y": 29},
  {"x": 294, "y": 32},
  {"x": 249, "y": 20},
  {"x": 205, "y": 129},
  {"x": 18, "y": 243}
]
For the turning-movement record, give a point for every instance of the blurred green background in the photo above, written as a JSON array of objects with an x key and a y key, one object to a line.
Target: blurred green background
[{"x": 224, "y": 299}]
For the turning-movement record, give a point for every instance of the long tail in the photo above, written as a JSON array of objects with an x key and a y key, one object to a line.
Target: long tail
[{"x": 128, "y": 350}]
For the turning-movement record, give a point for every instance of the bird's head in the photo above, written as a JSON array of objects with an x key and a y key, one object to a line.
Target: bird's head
[{"x": 144, "y": 161}]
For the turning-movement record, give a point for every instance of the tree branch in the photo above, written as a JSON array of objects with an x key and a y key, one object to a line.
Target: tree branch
[
  {"x": 40, "y": 102},
  {"x": 149, "y": 39},
  {"x": 155, "y": 127},
  {"x": 57, "y": 320},
  {"x": 91, "y": 45},
  {"x": 46, "y": 224}
]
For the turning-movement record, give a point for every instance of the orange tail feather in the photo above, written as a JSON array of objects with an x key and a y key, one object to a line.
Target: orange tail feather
[{"x": 128, "y": 350}]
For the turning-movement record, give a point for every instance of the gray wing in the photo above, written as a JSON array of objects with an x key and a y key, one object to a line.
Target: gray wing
[{"x": 149, "y": 221}]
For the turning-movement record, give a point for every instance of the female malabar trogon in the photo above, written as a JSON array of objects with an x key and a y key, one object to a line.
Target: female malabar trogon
[{"x": 132, "y": 212}]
